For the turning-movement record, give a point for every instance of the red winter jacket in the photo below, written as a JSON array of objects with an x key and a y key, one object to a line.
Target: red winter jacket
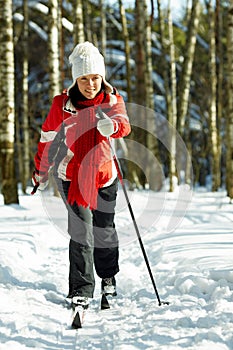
[{"x": 64, "y": 119}]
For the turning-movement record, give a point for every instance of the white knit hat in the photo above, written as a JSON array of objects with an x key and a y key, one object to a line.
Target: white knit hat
[{"x": 86, "y": 59}]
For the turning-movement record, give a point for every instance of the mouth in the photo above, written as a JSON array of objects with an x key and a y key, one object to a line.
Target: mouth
[{"x": 90, "y": 91}]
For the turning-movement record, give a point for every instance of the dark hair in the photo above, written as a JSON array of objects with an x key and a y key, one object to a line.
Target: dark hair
[{"x": 75, "y": 95}]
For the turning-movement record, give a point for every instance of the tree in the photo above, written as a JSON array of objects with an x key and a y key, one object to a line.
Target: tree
[
  {"x": 152, "y": 170},
  {"x": 125, "y": 34},
  {"x": 54, "y": 40},
  {"x": 103, "y": 25},
  {"x": 184, "y": 85},
  {"x": 25, "y": 128},
  {"x": 78, "y": 34},
  {"x": 229, "y": 142},
  {"x": 220, "y": 78},
  {"x": 87, "y": 18},
  {"x": 180, "y": 56},
  {"x": 165, "y": 70},
  {"x": 172, "y": 117},
  {"x": 136, "y": 171},
  {"x": 7, "y": 135},
  {"x": 54, "y": 53},
  {"x": 214, "y": 137}
]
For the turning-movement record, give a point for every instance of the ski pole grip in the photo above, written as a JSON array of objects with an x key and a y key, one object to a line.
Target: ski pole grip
[
  {"x": 100, "y": 113},
  {"x": 35, "y": 188}
]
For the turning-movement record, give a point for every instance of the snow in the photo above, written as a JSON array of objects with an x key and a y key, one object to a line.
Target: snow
[{"x": 190, "y": 256}]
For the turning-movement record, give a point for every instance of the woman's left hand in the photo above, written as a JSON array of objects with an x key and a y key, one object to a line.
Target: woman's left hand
[{"x": 106, "y": 126}]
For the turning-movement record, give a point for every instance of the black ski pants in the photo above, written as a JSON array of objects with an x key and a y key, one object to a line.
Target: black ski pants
[{"x": 93, "y": 240}]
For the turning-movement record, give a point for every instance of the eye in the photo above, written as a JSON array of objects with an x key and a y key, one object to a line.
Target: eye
[{"x": 97, "y": 77}]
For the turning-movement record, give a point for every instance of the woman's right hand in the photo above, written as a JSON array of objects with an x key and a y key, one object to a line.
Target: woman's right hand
[{"x": 39, "y": 182}]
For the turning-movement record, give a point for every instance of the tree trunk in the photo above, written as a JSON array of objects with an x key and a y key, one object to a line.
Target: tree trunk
[
  {"x": 140, "y": 53},
  {"x": 78, "y": 35},
  {"x": 61, "y": 45},
  {"x": 213, "y": 110},
  {"x": 136, "y": 170},
  {"x": 172, "y": 118},
  {"x": 163, "y": 63},
  {"x": 213, "y": 106},
  {"x": 54, "y": 40},
  {"x": 149, "y": 64},
  {"x": 26, "y": 137},
  {"x": 165, "y": 69},
  {"x": 7, "y": 125},
  {"x": 87, "y": 19},
  {"x": 153, "y": 169},
  {"x": 184, "y": 86},
  {"x": 220, "y": 60},
  {"x": 229, "y": 141},
  {"x": 53, "y": 44},
  {"x": 102, "y": 27},
  {"x": 125, "y": 34}
]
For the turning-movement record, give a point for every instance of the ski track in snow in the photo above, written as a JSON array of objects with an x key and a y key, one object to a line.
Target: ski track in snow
[{"x": 192, "y": 266}]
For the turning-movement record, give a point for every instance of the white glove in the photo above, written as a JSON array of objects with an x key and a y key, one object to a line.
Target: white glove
[
  {"x": 39, "y": 182},
  {"x": 105, "y": 126}
]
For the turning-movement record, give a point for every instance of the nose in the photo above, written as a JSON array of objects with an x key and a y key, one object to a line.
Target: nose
[{"x": 90, "y": 82}]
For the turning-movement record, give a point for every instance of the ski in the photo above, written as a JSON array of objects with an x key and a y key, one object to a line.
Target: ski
[
  {"x": 78, "y": 311},
  {"x": 79, "y": 305},
  {"x": 108, "y": 289},
  {"x": 104, "y": 304},
  {"x": 78, "y": 317}
]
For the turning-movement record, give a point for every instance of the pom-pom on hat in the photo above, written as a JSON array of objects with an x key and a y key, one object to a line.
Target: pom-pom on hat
[{"x": 86, "y": 59}]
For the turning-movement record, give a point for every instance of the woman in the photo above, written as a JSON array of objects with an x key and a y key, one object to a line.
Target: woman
[{"x": 84, "y": 169}]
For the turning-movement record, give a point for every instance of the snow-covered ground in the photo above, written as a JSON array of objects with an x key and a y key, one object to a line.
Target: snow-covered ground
[{"x": 191, "y": 258}]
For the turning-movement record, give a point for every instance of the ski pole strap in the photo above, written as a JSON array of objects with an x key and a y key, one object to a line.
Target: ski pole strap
[{"x": 100, "y": 112}]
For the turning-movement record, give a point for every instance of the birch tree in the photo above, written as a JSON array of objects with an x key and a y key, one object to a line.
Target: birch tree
[
  {"x": 184, "y": 85},
  {"x": 229, "y": 140},
  {"x": 53, "y": 45},
  {"x": 172, "y": 117},
  {"x": 185, "y": 80},
  {"x": 78, "y": 34},
  {"x": 7, "y": 135},
  {"x": 61, "y": 44},
  {"x": 54, "y": 41}
]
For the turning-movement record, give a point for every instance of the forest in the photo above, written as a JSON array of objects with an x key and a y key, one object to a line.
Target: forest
[{"x": 174, "y": 70}]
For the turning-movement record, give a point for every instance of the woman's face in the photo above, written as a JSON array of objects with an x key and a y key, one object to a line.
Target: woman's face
[{"x": 89, "y": 85}]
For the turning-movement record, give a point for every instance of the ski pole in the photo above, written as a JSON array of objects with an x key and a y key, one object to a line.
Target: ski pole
[
  {"x": 36, "y": 184},
  {"x": 35, "y": 188},
  {"x": 120, "y": 177}
]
